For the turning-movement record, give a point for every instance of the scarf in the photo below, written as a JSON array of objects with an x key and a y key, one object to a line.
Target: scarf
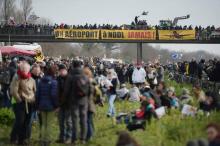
[{"x": 23, "y": 75}]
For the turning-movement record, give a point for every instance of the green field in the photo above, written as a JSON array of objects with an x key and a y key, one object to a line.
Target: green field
[{"x": 171, "y": 130}]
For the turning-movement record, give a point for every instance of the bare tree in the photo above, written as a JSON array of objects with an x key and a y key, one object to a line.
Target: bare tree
[
  {"x": 1, "y": 2},
  {"x": 19, "y": 16},
  {"x": 87, "y": 46},
  {"x": 8, "y": 9},
  {"x": 26, "y": 6}
]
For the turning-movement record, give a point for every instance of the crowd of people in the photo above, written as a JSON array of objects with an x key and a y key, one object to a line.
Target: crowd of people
[
  {"x": 206, "y": 71},
  {"x": 202, "y": 33},
  {"x": 73, "y": 88},
  {"x": 26, "y": 29}
]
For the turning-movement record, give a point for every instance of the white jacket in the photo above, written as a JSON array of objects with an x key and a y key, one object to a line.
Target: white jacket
[
  {"x": 122, "y": 92},
  {"x": 138, "y": 76},
  {"x": 134, "y": 94}
]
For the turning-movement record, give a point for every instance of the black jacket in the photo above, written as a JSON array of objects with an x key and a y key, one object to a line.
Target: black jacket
[
  {"x": 214, "y": 143},
  {"x": 112, "y": 89},
  {"x": 61, "y": 87},
  {"x": 69, "y": 94}
]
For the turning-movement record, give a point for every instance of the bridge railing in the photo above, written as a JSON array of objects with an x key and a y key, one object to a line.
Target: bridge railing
[
  {"x": 26, "y": 31},
  {"x": 49, "y": 31}
]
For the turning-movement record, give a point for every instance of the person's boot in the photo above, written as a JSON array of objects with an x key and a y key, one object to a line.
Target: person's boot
[
  {"x": 113, "y": 121},
  {"x": 68, "y": 141},
  {"x": 83, "y": 142},
  {"x": 13, "y": 142},
  {"x": 47, "y": 143},
  {"x": 59, "y": 141}
]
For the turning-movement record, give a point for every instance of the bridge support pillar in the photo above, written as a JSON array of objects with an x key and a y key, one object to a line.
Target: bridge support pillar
[{"x": 139, "y": 53}]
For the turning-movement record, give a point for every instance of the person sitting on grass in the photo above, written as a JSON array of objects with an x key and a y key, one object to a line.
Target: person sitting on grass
[
  {"x": 213, "y": 132},
  {"x": 145, "y": 88},
  {"x": 140, "y": 116},
  {"x": 122, "y": 92},
  {"x": 134, "y": 94},
  {"x": 173, "y": 98},
  {"x": 185, "y": 98},
  {"x": 199, "y": 93},
  {"x": 146, "y": 110},
  {"x": 170, "y": 100},
  {"x": 211, "y": 102},
  {"x": 162, "y": 87},
  {"x": 146, "y": 91},
  {"x": 124, "y": 139}
]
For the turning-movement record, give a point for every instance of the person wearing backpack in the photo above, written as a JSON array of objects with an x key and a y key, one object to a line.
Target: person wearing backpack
[
  {"x": 76, "y": 93},
  {"x": 47, "y": 102}
]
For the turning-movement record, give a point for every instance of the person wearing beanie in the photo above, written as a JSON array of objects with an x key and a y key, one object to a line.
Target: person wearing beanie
[
  {"x": 122, "y": 92},
  {"x": 76, "y": 94},
  {"x": 64, "y": 114},
  {"x": 185, "y": 98}
]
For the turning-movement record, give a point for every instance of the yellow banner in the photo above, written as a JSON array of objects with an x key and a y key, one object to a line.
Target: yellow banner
[
  {"x": 76, "y": 34},
  {"x": 177, "y": 34},
  {"x": 128, "y": 34}
]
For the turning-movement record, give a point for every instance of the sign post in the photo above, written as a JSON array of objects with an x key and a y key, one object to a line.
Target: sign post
[{"x": 139, "y": 53}]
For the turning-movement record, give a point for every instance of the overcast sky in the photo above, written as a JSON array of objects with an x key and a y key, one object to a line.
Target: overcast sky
[{"x": 203, "y": 12}]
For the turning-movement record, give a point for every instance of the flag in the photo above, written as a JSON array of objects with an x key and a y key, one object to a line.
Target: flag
[
  {"x": 145, "y": 13},
  {"x": 33, "y": 17}
]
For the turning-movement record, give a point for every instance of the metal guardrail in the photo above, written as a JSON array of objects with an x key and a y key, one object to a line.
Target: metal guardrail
[
  {"x": 27, "y": 31},
  {"x": 46, "y": 34}
]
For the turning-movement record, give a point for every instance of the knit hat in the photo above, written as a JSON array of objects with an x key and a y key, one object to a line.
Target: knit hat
[
  {"x": 146, "y": 84},
  {"x": 171, "y": 89},
  {"x": 185, "y": 91},
  {"x": 123, "y": 85},
  {"x": 62, "y": 66}
]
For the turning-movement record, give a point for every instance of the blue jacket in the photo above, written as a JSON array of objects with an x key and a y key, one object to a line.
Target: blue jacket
[{"x": 47, "y": 94}]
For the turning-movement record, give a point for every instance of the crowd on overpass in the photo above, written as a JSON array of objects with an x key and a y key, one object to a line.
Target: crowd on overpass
[
  {"x": 76, "y": 85},
  {"x": 202, "y": 33}
]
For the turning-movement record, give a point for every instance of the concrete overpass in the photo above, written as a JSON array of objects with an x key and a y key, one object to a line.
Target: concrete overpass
[{"x": 52, "y": 39}]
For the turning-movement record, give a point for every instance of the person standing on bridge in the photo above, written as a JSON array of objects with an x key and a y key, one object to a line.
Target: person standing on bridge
[{"x": 136, "y": 19}]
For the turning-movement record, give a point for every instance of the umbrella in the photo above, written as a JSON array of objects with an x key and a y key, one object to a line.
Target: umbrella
[{"x": 8, "y": 50}]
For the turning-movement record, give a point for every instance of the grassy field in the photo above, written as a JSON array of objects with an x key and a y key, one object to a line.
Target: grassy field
[{"x": 171, "y": 130}]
